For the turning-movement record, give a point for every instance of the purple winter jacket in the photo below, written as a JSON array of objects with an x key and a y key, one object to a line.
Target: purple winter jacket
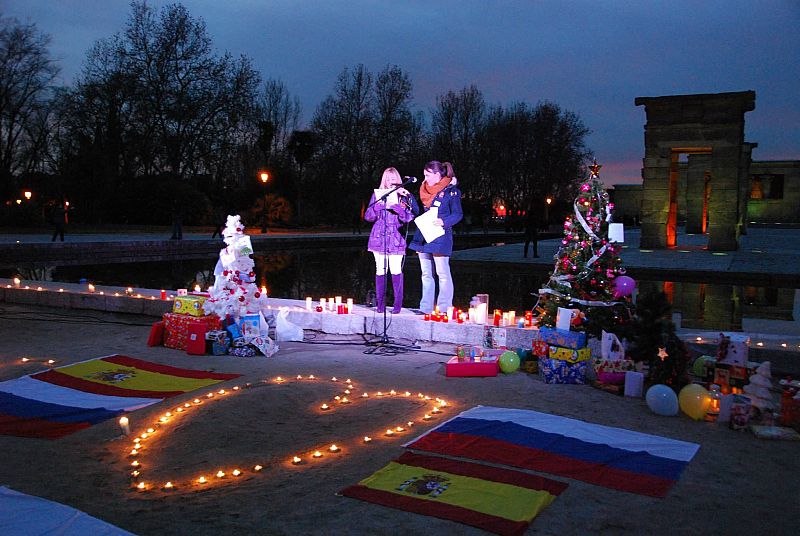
[{"x": 388, "y": 223}]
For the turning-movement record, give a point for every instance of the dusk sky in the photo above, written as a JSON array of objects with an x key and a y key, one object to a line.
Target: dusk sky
[{"x": 590, "y": 57}]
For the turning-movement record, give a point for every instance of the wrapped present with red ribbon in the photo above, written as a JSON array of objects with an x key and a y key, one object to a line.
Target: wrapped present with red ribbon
[
  {"x": 540, "y": 348},
  {"x": 176, "y": 328}
]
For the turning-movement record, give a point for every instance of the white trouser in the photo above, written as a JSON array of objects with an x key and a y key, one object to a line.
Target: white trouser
[
  {"x": 445, "y": 300},
  {"x": 395, "y": 263}
]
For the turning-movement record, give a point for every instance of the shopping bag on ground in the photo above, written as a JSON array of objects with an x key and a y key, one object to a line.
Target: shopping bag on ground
[{"x": 285, "y": 330}]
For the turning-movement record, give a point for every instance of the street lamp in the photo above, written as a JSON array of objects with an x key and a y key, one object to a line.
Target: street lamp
[
  {"x": 264, "y": 177},
  {"x": 27, "y": 194},
  {"x": 548, "y": 201}
]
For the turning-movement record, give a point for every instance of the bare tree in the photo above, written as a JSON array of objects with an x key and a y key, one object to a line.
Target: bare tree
[
  {"x": 282, "y": 112},
  {"x": 26, "y": 72}
]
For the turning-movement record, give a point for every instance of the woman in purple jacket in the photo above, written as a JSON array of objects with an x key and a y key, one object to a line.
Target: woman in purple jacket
[
  {"x": 385, "y": 240},
  {"x": 438, "y": 191}
]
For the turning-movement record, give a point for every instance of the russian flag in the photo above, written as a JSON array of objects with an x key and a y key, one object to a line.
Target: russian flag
[{"x": 612, "y": 457}]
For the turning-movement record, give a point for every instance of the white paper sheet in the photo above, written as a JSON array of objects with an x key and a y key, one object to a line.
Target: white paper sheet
[
  {"x": 391, "y": 200},
  {"x": 424, "y": 223}
]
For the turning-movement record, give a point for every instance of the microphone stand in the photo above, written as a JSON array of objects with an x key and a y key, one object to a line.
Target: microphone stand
[{"x": 384, "y": 344}]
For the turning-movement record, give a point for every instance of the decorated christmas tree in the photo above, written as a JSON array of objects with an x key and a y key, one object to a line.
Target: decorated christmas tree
[
  {"x": 235, "y": 292},
  {"x": 588, "y": 273},
  {"x": 654, "y": 342}
]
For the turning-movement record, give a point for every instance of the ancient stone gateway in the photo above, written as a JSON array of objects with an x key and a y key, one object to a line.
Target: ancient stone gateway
[{"x": 710, "y": 130}]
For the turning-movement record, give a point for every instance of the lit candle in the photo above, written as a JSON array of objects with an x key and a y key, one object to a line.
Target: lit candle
[
  {"x": 348, "y": 381},
  {"x": 168, "y": 486},
  {"x": 451, "y": 312},
  {"x": 197, "y": 401},
  {"x": 344, "y": 400},
  {"x": 426, "y": 417},
  {"x": 50, "y": 361},
  {"x": 134, "y": 474},
  {"x": 322, "y": 303},
  {"x": 91, "y": 287},
  {"x": 124, "y": 424},
  {"x": 236, "y": 472},
  {"x": 134, "y": 452},
  {"x": 324, "y": 407},
  {"x": 407, "y": 393},
  {"x": 163, "y": 294},
  {"x": 317, "y": 454},
  {"x": 338, "y": 300},
  {"x": 221, "y": 392},
  {"x": 334, "y": 379},
  {"x": 308, "y": 303},
  {"x": 299, "y": 377},
  {"x": 264, "y": 290},
  {"x": 141, "y": 486},
  {"x": 367, "y": 439},
  {"x": 151, "y": 431},
  {"x": 279, "y": 379},
  {"x": 17, "y": 281},
  {"x": 399, "y": 429},
  {"x": 202, "y": 480},
  {"x": 25, "y": 359},
  {"x": 349, "y": 305},
  {"x": 311, "y": 377},
  {"x": 365, "y": 395},
  {"x": 220, "y": 474},
  {"x": 334, "y": 448},
  {"x": 435, "y": 410},
  {"x": 258, "y": 468},
  {"x": 389, "y": 432},
  {"x": 135, "y": 463},
  {"x": 197, "y": 288},
  {"x": 331, "y": 304}
]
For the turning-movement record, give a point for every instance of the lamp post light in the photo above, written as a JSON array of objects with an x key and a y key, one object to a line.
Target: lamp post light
[
  {"x": 548, "y": 201},
  {"x": 264, "y": 178},
  {"x": 27, "y": 194}
]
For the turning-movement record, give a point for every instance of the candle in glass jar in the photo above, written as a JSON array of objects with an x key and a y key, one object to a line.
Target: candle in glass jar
[{"x": 308, "y": 303}]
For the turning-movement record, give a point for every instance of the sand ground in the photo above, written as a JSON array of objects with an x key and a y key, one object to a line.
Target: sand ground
[{"x": 736, "y": 484}]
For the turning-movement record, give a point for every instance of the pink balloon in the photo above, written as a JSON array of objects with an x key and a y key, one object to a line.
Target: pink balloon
[{"x": 623, "y": 286}]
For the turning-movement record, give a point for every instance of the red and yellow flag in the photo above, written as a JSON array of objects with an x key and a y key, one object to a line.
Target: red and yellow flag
[{"x": 490, "y": 498}]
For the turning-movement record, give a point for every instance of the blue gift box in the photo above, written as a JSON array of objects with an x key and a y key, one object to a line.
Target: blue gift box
[
  {"x": 565, "y": 339},
  {"x": 560, "y": 371}
]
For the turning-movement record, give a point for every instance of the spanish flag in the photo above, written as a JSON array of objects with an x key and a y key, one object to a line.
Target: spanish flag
[
  {"x": 67, "y": 399},
  {"x": 490, "y": 498}
]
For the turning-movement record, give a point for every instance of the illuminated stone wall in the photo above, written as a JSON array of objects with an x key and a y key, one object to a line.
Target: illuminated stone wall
[{"x": 711, "y": 125}]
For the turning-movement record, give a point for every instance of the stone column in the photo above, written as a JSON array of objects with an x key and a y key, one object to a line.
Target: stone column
[
  {"x": 655, "y": 198},
  {"x": 723, "y": 202}
]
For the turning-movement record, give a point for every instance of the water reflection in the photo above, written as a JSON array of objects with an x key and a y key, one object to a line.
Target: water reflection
[{"x": 350, "y": 272}]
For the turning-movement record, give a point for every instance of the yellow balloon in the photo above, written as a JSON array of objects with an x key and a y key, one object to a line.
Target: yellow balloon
[{"x": 693, "y": 400}]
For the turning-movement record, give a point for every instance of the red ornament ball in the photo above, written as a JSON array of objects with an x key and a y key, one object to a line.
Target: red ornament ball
[
  {"x": 241, "y": 298},
  {"x": 257, "y": 294}
]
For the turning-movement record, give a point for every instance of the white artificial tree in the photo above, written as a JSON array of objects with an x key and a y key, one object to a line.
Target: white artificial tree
[
  {"x": 758, "y": 388},
  {"x": 235, "y": 292}
]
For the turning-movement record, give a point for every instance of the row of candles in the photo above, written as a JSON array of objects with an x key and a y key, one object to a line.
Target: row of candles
[
  {"x": 477, "y": 315},
  {"x": 330, "y": 305},
  {"x": 221, "y": 474}
]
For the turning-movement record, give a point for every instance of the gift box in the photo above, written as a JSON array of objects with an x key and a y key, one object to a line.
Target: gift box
[
  {"x": 729, "y": 376},
  {"x": 565, "y": 339},
  {"x": 540, "y": 348},
  {"x": 740, "y": 412},
  {"x": 176, "y": 328},
  {"x": 156, "y": 337},
  {"x": 486, "y": 366},
  {"x": 790, "y": 410},
  {"x": 561, "y": 371},
  {"x": 196, "y": 339},
  {"x": 243, "y": 351},
  {"x": 569, "y": 355},
  {"x": 612, "y": 371},
  {"x": 191, "y": 304},
  {"x": 249, "y": 325},
  {"x": 217, "y": 342},
  {"x": 733, "y": 349}
]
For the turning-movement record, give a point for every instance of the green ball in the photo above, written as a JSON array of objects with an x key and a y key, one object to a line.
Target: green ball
[
  {"x": 509, "y": 362},
  {"x": 700, "y": 364}
]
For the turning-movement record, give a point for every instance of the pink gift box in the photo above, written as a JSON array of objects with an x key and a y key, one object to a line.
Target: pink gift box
[{"x": 461, "y": 369}]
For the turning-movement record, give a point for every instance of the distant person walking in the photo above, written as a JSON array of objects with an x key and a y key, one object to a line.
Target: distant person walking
[
  {"x": 177, "y": 221},
  {"x": 58, "y": 218},
  {"x": 531, "y": 233}
]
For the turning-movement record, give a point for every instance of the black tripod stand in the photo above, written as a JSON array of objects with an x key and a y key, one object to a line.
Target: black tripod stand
[{"x": 383, "y": 344}]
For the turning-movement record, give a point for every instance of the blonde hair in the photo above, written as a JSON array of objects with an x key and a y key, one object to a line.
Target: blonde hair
[{"x": 389, "y": 173}]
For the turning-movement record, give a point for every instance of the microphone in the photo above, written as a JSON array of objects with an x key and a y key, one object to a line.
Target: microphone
[{"x": 409, "y": 180}]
